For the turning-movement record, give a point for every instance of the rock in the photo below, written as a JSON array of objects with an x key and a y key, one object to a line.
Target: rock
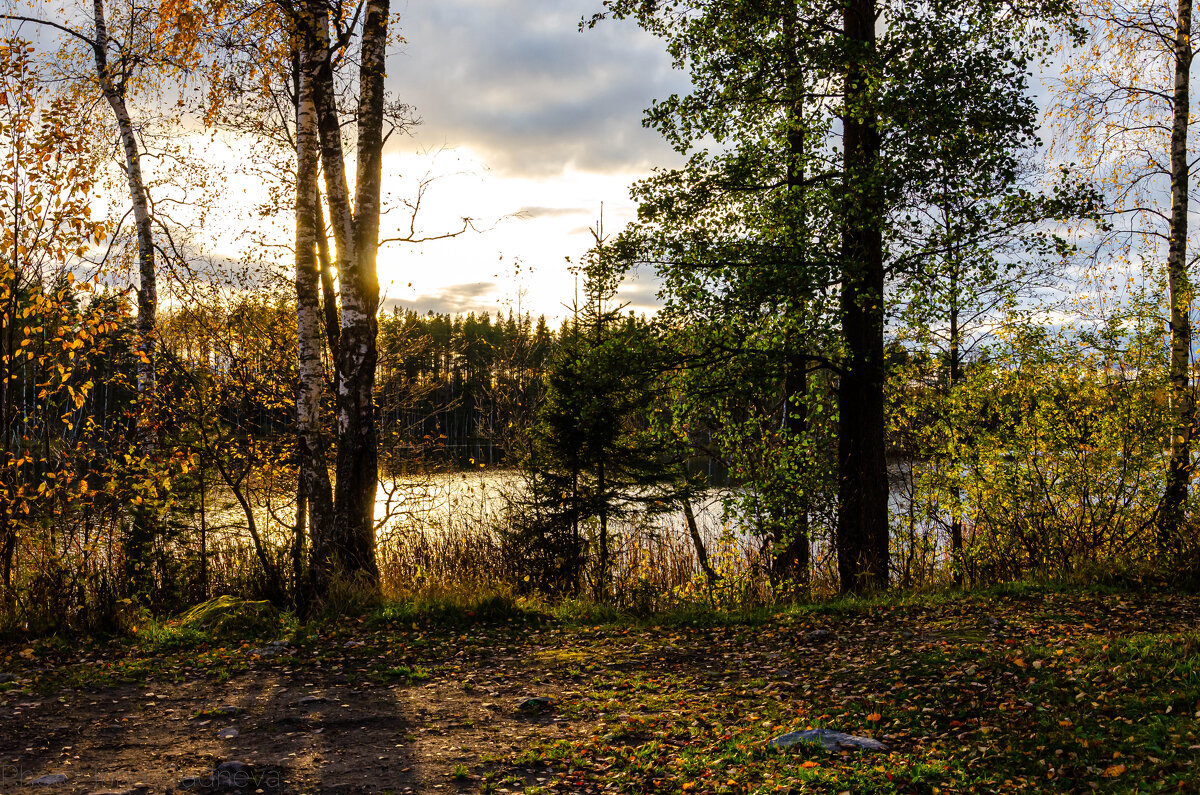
[
  {"x": 993, "y": 622},
  {"x": 7, "y": 678},
  {"x": 306, "y": 701},
  {"x": 232, "y": 774},
  {"x": 279, "y": 643},
  {"x": 228, "y": 734},
  {"x": 818, "y": 635},
  {"x": 267, "y": 651},
  {"x": 49, "y": 780},
  {"x": 832, "y": 741},
  {"x": 537, "y": 704}
]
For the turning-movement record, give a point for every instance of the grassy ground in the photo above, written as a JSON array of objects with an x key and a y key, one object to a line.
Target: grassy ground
[{"x": 1026, "y": 688}]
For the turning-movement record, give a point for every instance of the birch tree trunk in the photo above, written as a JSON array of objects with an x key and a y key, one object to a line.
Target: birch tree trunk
[
  {"x": 314, "y": 475},
  {"x": 113, "y": 87},
  {"x": 1179, "y": 288},
  {"x": 346, "y": 548},
  {"x": 357, "y": 458}
]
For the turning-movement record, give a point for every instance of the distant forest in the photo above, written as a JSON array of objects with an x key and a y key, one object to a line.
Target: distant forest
[{"x": 461, "y": 389}]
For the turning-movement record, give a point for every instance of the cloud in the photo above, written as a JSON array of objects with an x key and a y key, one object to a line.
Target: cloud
[
  {"x": 520, "y": 83},
  {"x": 639, "y": 292},
  {"x": 529, "y": 213},
  {"x": 455, "y": 299}
]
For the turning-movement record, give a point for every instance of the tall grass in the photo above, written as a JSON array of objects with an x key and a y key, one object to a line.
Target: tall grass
[{"x": 455, "y": 551}]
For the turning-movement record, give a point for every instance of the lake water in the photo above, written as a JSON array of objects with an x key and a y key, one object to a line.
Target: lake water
[
  {"x": 438, "y": 502},
  {"x": 462, "y": 504}
]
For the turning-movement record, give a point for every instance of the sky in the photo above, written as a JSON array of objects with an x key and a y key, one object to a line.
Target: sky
[{"x": 528, "y": 126}]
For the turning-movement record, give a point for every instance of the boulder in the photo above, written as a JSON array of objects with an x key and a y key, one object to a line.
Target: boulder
[
  {"x": 233, "y": 774},
  {"x": 832, "y": 741},
  {"x": 536, "y": 704},
  {"x": 49, "y": 780}
]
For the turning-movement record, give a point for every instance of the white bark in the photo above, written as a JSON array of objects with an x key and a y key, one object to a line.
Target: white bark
[{"x": 113, "y": 86}]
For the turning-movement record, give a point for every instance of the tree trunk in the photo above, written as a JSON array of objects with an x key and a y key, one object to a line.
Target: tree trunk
[
  {"x": 310, "y": 441},
  {"x": 1179, "y": 471},
  {"x": 357, "y": 459},
  {"x": 350, "y": 548},
  {"x": 143, "y": 523},
  {"x": 790, "y": 567},
  {"x": 698, "y": 543},
  {"x": 113, "y": 88},
  {"x": 8, "y": 445},
  {"x": 8, "y": 549},
  {"x": 328, "y": 293},
  {"x": 862, "y": 523},
  {"x": 957, "y": 563},
  {"x": 601, "y": 590}
]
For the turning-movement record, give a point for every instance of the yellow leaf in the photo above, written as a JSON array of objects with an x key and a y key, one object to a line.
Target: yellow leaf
[
  {"x": 874, "y": 717},
  {"x": 1112, "y": 771}
]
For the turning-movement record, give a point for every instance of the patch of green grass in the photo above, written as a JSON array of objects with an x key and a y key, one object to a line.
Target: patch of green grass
[
  {"x": 154, "y": 637},
  {"x": 530, "y": 757},
  {"x": 229, "y": 617},
  {"x": 455, "y": 610},
  {"x": 998, "y": 693},
  {"x": 402, "y": 672},
  {"x": 584, "y": 611}
]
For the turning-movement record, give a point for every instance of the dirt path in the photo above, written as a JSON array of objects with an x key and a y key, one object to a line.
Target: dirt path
[
  {"x": 298, "y": 725},
  {"x": 1039, "y": 692}
]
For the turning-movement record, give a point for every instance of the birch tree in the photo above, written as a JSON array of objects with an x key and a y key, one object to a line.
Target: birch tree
[
  {"x": 120, "y": 65},
  {"x": 1124, "y": 104},
  {"x": 343, "y": 545},
  {"x": 315, "y": 494}
]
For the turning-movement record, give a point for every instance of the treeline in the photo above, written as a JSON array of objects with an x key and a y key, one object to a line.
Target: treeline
[{"x": 460, "y": 390}]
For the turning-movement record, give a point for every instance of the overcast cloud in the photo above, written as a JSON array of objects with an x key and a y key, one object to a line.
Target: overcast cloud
[
  {"x": 519, "y": 83},
  {"x": 454, "y": 299},
  {"x": 534, "y": 127}
]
